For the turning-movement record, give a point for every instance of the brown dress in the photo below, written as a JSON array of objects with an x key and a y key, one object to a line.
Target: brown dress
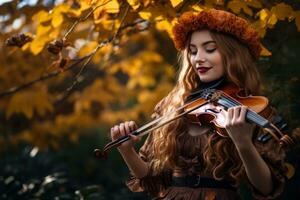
[{"x": 190, "y": 162}]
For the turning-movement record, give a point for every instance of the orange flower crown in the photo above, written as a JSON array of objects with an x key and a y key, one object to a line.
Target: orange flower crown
[{"x": 220, "y": 21}]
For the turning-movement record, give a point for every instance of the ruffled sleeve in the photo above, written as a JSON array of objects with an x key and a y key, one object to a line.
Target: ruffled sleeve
[
  {"x": 152, "y": 184},
  {"x": 273, "y": 155}
]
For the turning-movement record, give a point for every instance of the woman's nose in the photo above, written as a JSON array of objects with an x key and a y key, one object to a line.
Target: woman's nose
[{"x": 200, "y": 57}]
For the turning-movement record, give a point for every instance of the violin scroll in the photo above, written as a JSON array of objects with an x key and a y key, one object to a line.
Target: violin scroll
[
  {"x": 100, "y": 154},
  {"x": 288, "y": 142}
]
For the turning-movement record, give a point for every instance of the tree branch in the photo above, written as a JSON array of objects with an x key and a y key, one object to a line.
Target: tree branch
[
  {"x": 76, "y": 81},
  {"x": 41, "y": 78}
]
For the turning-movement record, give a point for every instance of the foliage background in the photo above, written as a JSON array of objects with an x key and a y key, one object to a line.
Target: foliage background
[{"x": 54, "y": 112}]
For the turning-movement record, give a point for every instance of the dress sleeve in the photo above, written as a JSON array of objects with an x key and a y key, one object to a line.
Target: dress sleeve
[
  {"x": 273, "y": 155},
  {"x": 152, "y": 184}
]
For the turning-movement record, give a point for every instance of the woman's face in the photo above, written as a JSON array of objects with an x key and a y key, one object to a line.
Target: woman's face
[{"x": 205, "y": 57}]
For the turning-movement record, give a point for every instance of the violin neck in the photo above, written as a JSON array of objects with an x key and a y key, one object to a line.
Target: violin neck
[{"x": 255, "y": 118}]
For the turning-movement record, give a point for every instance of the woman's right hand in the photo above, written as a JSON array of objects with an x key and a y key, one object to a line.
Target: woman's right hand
[{"x": 123, "y": 129}]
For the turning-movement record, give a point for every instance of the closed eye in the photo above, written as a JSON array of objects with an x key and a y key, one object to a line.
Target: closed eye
[{"x": 210, "y": 50}]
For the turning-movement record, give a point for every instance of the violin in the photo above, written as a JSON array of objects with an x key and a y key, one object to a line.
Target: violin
[{"x": 209, "y": 106}]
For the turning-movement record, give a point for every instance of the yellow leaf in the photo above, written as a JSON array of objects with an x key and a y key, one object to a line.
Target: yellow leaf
[
  {"x": 254, "y": 3},
  {"x": 164, "y": 25},
  {"x": 197, "y": 8},
  {"x": 27, "y": 101},
  {"x": 38, "y": 44},
  {"x": 267, "y": 18},
  {"x": 235, "y": 6},
  {"x": 62, "y": 8},
  {"x": 42, "y": 30},
  {"x": 282, "y": 11},
  {"x": 57, "y": 19},
  {"x": 146, "y": 2},
  {"x": 176, "y": 2},
  {"x": 145, "y": 15},
  {"x": 290, "y": 170},
  {"x": 112, "y": 6},
  {"x": 272, "y": 21},
  {"x": 54, "y": 34},
  {"x": 159, "y": 12},
  {"x": 26, "y": 46},
  {"x": 265, "y": 51},
  {"x": 135, "y": 4},
  {"x": 247, "y": 10},
  {"x": 264, "y": 14},
  {"x": 87, "y": 48},
  {"x": 89, "y": 2},
  {"x": 41, "y": 16}
]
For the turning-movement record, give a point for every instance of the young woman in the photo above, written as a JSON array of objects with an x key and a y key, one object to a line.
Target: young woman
[{"x": 185, "y": 160}]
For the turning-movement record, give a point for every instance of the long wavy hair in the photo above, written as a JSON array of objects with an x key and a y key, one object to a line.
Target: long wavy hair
[{"x": 219, "y": 154}]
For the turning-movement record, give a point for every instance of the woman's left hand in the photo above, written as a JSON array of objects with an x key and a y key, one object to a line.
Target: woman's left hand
[{"x": 236, "y": 126}]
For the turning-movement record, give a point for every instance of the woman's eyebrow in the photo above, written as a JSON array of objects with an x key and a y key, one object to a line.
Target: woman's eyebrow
[{"x": 204, "y": 43}]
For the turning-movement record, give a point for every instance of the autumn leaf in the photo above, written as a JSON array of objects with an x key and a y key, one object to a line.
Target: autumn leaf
[
  {"x": 57, "y": 19},
  {"x": 37, "y": 45},
  {"x": 197, "y": 8},
  {"x": 42, "y": 30},
  {"x": 237, "y": 5},
  {"x": 41, "y": 16},
  {"x": 265, "y": 51},
  {"x": 254, "y": 3},
  {"x": 176, "y": 2},
  {"x": 290, "y": 170},
  {"x": 165, "y": 25},
  {"x": 111, "y": 6},
  {"x": 282, "y": 11},
  {"x": 267, "y": 18},
  {"x": 135, "y": 4},
  {"x": 27, "y": 102}
]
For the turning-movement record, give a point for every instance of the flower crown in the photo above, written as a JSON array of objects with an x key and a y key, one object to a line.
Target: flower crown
[{"x": 220, "y": 21}]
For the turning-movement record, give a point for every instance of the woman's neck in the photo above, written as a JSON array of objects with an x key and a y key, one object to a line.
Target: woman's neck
[{"x": 212, "y": 84}]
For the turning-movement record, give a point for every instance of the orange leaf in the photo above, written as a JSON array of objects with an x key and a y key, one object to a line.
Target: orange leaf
[
  {"x": 176, "y": 2},
  {"x": 265, "y": 51},
  {"x": 290, "y": 170},
  {"x": 282, "y": 11}
]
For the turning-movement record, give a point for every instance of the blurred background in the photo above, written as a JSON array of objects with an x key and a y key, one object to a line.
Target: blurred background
[{"x": 71, "y": 69}]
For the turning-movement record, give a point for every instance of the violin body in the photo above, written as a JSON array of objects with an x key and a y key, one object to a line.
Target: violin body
[{"x": 214, "y": 114}]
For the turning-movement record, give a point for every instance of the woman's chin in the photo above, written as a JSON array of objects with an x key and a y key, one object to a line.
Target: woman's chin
[{"x": 205, "y": 79}]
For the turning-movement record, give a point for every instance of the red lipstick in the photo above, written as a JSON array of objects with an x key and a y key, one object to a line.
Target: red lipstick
[{"x": 202, "y": 70}]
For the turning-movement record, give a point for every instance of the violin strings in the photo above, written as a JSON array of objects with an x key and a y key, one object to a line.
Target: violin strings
[{"x": 233, "y": 102}]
